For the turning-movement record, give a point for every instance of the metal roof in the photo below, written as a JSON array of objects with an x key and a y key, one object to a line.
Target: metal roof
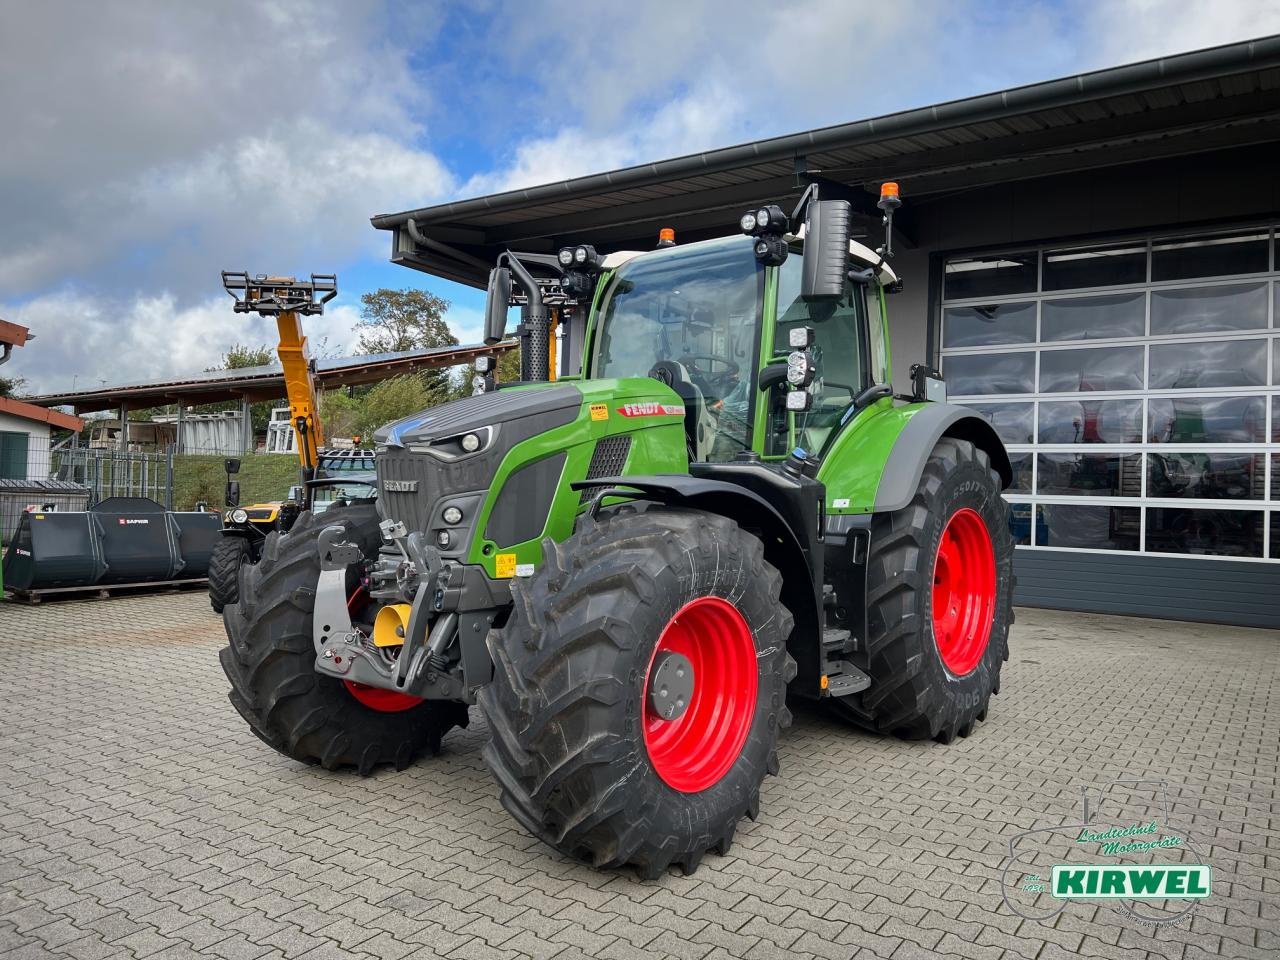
[
  {"x": 1219, "y": 97},
  {"x": 265, "y": 383}
]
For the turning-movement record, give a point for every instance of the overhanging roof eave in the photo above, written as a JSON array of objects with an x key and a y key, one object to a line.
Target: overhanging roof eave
[{"x": 1115, "y": 81}]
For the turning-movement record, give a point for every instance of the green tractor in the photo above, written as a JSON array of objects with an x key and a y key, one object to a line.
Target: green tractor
[{"x": 633, "y": 571}]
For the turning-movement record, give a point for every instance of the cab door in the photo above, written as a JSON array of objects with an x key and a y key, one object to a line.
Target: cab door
[{"x": 844, "y": 355}]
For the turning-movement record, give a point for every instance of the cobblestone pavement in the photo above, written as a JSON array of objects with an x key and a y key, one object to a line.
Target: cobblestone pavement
[{"x": 140, "y": 818}]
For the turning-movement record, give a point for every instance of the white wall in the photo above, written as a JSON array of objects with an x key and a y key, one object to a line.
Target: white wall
[{"x": 37, "y": 443}]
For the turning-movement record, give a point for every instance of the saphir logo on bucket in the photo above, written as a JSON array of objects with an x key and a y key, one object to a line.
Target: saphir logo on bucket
[{"x": 1125, "y": 852}]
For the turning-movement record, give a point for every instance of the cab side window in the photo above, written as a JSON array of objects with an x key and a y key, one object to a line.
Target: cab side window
[{"x": 838, "y": 352}]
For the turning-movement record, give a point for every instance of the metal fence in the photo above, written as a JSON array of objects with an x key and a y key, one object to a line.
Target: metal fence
[{"x": 116, "y": 473}]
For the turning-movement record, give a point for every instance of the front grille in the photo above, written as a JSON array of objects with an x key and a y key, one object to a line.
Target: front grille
[
  {"x": 416, "y": 469},
  {"x": 610, "y": 456}
]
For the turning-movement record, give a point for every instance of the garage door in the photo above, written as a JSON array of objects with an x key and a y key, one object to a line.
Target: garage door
[{"x": 1137, "y": 385}]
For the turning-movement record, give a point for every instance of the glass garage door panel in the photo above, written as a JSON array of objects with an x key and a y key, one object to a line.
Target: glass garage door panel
[
  {"x": 995, "y": 373},
  {"x": 1209, "y": 309},
  {"x": 1093, "y": 369},
  {"x": 1218, "y": 533},
  {"x": 1078, "y": 527},
  {"x": 1090, "y": 421},
  {"x": 1206, "y": 476},
  {"x": 1207, "y": 364},
  {"x": 980, "y": 326},
  {"x": 1104, "y": 266},
  {"x": 1094, "y": 318},
  {"x": 1136, "y": 385},
  {"x": 1206, "y": 419},
  {"x": 1091, "y": 474}
]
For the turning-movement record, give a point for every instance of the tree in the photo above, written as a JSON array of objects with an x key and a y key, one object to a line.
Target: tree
[
  {"x": 395, "y": 320},
  {"x": 242, "y": 355},
  {"x": 392, "y": 321},
  {"x": 11, "y": 386},
  {"x": 388, "y": 401}
]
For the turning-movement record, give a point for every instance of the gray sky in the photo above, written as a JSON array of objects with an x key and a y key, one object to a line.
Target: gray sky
[{"x": 152, "y": 144}]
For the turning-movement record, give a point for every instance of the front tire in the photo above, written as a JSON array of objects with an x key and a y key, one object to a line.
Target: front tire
[
  {"x": 270, "y": 662},
  {"x": 229, "y": 554},
  {"x": 939, "y": 602},
  {"x": 578, "y": 741}
]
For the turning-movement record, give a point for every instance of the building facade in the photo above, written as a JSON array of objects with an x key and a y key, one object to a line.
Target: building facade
[{"x": 1092, "y": 262}]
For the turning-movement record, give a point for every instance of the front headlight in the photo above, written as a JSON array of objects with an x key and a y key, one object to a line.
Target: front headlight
[{"x": 239, "y": 516}]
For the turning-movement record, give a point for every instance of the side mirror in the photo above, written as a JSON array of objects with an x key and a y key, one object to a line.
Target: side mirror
[
  {"x": 826, "y": 250},
  {"x": 233, "y": 466},
  {"x": 233, "y": 493},
  {"x": 495, "y": 310}
]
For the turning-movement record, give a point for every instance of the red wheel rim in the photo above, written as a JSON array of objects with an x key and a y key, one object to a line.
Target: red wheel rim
[
  {"x": 964, "y": 591},
  {"x": 384, "y": 701},
  {"x": 375, "y": 698},
  {"x": 695, "y": 750}
]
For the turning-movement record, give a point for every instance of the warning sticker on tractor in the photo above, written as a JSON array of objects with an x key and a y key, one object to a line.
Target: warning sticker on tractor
[
  {"x": 839, "y": 502},
  {"x": 599, "y": 411},
  {"x": 504, "y": 565}
]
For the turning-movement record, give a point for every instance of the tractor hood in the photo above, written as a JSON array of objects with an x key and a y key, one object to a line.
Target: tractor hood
[{"x": 485, "y": 410}]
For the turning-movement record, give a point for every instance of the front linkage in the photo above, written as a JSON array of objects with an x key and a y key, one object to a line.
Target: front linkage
[{"x": 425, "y": 608}]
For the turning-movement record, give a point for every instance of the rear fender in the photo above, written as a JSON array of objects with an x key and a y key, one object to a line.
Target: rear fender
[
  {"x": 781, "y": 548},
  {"x": 920, "y": 434}
]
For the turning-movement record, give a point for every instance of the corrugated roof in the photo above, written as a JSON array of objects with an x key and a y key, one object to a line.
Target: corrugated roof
[
  {"x": 1158, "y": 107},
  {"x": 264, "y": 383}
]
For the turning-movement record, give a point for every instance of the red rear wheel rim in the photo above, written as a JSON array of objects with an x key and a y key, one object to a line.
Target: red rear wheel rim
[
  {"x": 964, "y": 591},
  {"x": 375, "y": 698},
  {"x": 696, "y": 749},
  {"x": 384, "y": 701}
]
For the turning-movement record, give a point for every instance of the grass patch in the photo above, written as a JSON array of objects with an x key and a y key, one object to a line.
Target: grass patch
[{"x": 201, "y": 477}]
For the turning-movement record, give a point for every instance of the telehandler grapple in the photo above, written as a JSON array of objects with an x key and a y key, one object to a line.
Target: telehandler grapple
[{"x": 632, "y": 571}]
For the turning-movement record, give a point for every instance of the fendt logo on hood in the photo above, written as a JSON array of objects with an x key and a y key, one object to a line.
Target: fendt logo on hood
[
  {"x": 400, "y": 486},
  {"x": 651, "y": 409}
]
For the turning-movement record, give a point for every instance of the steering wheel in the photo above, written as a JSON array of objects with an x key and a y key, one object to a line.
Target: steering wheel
[
  {"x": 668, "y": 373},
  {"x": 714, "y": 382}
]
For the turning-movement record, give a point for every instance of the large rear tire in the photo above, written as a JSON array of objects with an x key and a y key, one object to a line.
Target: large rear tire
[
  {"x": 577, "y": 743},
  {"x": 939, "y": 603},
  {"x": 229, "y": 554},
  {"x": 270, "y": 662}
]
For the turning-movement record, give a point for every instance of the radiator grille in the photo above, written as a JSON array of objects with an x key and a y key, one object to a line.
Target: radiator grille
[
  {"x": 410, "y": 506},
  {"x": 610, "y": 456}
]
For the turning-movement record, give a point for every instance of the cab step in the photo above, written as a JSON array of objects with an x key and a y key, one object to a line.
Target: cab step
[{"x": 844, "y": 679}]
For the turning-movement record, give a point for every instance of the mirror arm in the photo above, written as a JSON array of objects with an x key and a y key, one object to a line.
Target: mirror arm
[{"x": 772, "y": 375}]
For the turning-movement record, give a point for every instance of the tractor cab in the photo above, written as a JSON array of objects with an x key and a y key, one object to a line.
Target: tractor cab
[{"x": 719, "y": 326}]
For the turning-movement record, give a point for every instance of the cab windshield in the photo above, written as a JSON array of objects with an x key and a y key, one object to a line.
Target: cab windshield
[{"x": 690, "y": 317}]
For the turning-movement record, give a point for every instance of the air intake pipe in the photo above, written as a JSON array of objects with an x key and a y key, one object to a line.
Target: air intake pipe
[{"x": 535, "y": 326}]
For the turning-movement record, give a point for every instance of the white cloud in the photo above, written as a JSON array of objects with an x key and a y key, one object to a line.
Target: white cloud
[
  {"x": 1129, "y": 30},
  {"x": 82, "y": 341}
]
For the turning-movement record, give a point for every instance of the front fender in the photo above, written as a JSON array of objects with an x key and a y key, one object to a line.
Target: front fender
[{"x": 800, "y": 592}]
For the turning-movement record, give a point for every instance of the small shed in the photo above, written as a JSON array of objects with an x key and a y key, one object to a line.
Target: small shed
[{"x": 24, "y": 438}]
